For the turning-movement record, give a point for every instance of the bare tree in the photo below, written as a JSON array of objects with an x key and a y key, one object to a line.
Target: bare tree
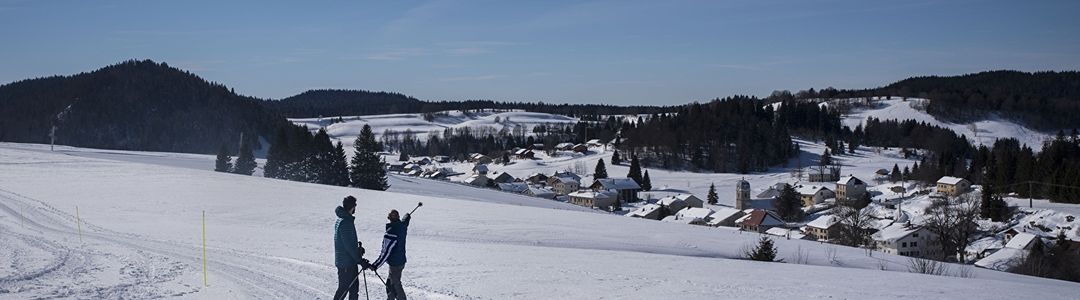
[
  {"x": 853, "y": 224},
  {"x": 953, "y": 220}
]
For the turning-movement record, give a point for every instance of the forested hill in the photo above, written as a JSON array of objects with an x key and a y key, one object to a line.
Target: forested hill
[
  {"x": 1048, "y": 101},
  {"x": 325, "y": 103},
  {"x": 133, "y": 105},
  {"x": 315, "y": 103}
]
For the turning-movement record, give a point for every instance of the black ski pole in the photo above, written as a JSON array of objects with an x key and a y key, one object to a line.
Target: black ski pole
[
  {"x": 377, "y": 275},
  {"x": 366, "y": 295},
  {"x": 418, "y": 205}
]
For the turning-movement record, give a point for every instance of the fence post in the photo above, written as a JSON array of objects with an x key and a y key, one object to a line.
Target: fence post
[{"x": 206, "y": 281}]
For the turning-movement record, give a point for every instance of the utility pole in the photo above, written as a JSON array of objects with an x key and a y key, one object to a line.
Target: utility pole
[
  {"x": 1030, "y": 202},
  {"x": 52, "y": 138}
]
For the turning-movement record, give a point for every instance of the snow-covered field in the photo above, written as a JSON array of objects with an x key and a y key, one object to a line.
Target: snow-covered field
[
  {"x": 141, "y": 230},
  {"x": 508, "y": 120},
  {"x": 980, "y": 133}
]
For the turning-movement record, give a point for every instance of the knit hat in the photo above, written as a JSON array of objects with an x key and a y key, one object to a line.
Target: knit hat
[{"x": 348, "y": 203}]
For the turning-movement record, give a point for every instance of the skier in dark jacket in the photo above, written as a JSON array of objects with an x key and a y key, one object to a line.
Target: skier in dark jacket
[
  {"x": 393, "y": 254},
  {"x": 346, "y": 250}
]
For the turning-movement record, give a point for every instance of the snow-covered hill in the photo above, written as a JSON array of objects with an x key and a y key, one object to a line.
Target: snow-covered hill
[
  {"x": 508, "y": 120},
  {"x": 982, "y": 132},
  {"x": 141, "y": 227}
]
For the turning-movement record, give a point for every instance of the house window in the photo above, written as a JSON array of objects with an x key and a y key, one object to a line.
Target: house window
[
  {"x": 904, "y": 244},
  {"x": 914, "y": 244},
  {"x": 916, "y": 235}
]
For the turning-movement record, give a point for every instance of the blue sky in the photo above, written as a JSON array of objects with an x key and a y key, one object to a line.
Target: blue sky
[{"x": 615, "y": 52}]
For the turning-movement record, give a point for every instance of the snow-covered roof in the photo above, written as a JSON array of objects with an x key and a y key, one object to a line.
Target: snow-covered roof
[
  {"x": 504, "y": 176},
  {"x": 849, "y": 179},
  {"x": 694, "y": 213},
  {"x": 721, "y": 214},
  {"x": 1022, "y": 241},
  {"x": 949, "y": 180},
  {"x": 823, "y": 222},
  {"x": 669, "y": 200},
  {"x": 894, "y": 232},
  {"x": 565, "y": 174},
  {"x": 618, "y": 184},
  {"x": 760, "y": 217},
  {"x": 475, "y": 178},
  {"x": 1002, "y": 260},
  {"x": 567, "y": 180},
  {"x": 810, "y": 189},
  {"x": 515, "y": 187},
  {"x": 686, "y": 197},
  {"x": 480, "y": 168},
  {"x": 594, "y": 142},
  {"x": 541, "y": 192},
  {"x": 644, "y": 210},
  {"x": 784, "y": 232},
  {"x": 592, "y": 194}
]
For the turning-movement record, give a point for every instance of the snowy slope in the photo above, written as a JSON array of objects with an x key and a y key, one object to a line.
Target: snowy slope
[
  {"x": 348, "y": 130},
  {"x": 272, "y": 239},
  {"x": 982, "y": 132}
]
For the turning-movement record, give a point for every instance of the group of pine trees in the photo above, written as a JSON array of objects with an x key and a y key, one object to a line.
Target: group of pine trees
[
  {"x": 245, "y": 160},
  {"x": 296, "y": 154}
]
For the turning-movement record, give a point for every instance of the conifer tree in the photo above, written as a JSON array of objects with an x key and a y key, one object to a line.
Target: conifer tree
[
  {"x": 275, "y": 157},
  {"x": 788, "y": 205},
  {"x": 320, "y": 163},
  {"x": 713, "y": 197},
  {"x": 635, "y": 169},
  {"x": 764, "y": 251},
  {"x": 615, "y": 159},
  {"x": 646, "y": 183},
  {"x": 600, "y": 171},
  {"x": 224, "y": 161},
  {"x": 895, "y": 175},
  {"x": 403, "y": 156},
  {"x": 339, "y": 167},
  {"x": 826, "y": 159},
  {"x": 245, "y": 160},
  {"x": 367, "y": 169}
]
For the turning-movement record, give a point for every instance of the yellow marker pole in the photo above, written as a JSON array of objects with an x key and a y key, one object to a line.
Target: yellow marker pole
[
  {"x": 206, "y": 282},
  {"x": 78, "y": 221}
]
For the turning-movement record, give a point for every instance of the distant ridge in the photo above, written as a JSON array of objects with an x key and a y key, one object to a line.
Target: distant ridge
[{"x": 133, "y": 105}]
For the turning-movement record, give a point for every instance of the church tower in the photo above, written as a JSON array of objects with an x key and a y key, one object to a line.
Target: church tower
[{"x": 742, "y": 194}]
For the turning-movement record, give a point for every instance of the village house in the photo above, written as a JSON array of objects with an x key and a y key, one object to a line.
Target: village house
[
  {"x": 671, "y": 203},
  {"x": 477, "y": 180},
  {"x": 594, "y": 143},
  {"x": 850, "y": 189},
  {"x": 786, "y": 233},
  {"x": 597, "y": 199},
  {"x": 524, "y": 154},
  {"x": 813, "y": 194},
  {"x": 691, "y": 215},
  {"x": 565, "y": 146},
  {"x": 764, "y": 201},
  {"x": 725, "y": 216},
  {"x": 953, "y": 186},
  {"x": 907, "y": 240},
  {"x": 422, "y": 161},
  {"x": 442, "y": 159},
  {"x": 581, "y": 148},
  {"x": 395, "y": 167},
  {"x": 541, "y": 192},
  {"x": 480, "y": 169},
  {"x": 564, "y": 185},
  {"x": 503, "y": 178},
  {"x": 627, "y": 189},
  {"x": 537, "y": 178},
  {"x": 513, "y": 187},
  {"x": 480, "y": 159},
  {"x": 823, "y": 228},
  {"x": 759, "y": 220},
  {"x": 1018, "y": 247},
  {"x": 647, "y": 211}
]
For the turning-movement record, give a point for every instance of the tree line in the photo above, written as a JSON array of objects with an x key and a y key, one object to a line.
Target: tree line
[{"x": 298, "y": 155}]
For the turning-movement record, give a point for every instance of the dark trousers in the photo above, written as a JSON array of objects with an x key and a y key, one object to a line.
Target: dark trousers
[
  {"x": 394, "y": 289},
  {"x": 347, "y": 283}
]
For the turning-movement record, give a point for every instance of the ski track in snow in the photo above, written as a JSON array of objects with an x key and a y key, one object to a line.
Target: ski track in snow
[{"x": 146, "y": 265}]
